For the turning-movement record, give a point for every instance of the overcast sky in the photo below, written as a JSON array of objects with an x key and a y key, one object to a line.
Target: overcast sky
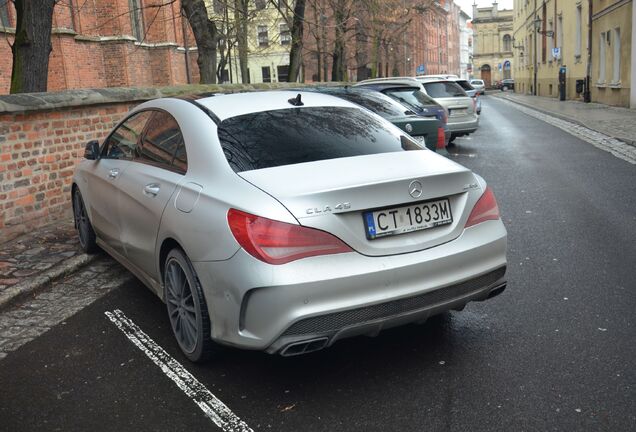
[{"x": 467, "y": 5}]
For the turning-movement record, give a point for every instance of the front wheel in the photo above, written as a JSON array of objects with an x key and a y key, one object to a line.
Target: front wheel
[
  {"x": 83, "y": 225},
  {"x": 187, "y": 309}
]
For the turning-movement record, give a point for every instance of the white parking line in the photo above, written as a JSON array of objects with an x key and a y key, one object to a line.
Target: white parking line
[{"x": 216, "y": 410}]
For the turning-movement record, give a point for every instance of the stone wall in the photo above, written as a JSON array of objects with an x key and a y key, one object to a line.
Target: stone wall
[{"x": 43, "y": 135}]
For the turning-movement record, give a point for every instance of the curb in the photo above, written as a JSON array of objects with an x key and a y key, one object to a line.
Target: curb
[
  {"x": 564, "y": 117},
  {"x": 33, "y": 284}
]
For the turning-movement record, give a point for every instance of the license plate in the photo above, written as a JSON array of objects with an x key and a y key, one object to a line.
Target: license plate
[
  {"x": 405, "y": 219},
  {"x": 458, "y": 111}
]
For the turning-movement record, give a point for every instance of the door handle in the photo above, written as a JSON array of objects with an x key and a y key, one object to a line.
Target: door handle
[
  {"x": 113, "y": 173},
  {"x": 152, "y": 189}
]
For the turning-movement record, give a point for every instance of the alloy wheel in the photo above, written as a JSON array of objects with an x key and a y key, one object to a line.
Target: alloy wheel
[{"x": 181, "y": 307}]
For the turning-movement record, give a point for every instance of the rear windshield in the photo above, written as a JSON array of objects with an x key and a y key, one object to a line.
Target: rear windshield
[
  {"x": 376, "y": 102},
  {"x": 465, "y": 85},
  {"x": 478, "y": 82},
  {"x": 291, "y": 136},
  {"x": 411, "y": 97},
  {"x": 444, "y": 89}
]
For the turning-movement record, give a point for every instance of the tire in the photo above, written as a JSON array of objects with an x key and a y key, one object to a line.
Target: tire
[
  {"x": 505, "y": 88},
  {"x": 83, "y": 225},
  {"x": 187, "y": 308},
  {"x": 451, "y": 141}
]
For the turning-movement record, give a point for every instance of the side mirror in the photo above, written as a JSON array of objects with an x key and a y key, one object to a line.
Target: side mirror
[{"x": 91, "y": 152}]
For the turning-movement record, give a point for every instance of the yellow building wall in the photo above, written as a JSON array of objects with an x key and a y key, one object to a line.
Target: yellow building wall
[
  {"x": 560, "y": 18},
  {"x": 273, "y": 55},
  {"x": 489, "y": 49},
  {"x": 609, "y": 91}
]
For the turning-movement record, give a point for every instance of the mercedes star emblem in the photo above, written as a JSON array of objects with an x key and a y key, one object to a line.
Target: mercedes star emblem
[{"x": 415, "y": 189}]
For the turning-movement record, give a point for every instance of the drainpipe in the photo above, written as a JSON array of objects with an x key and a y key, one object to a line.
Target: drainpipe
[
  {"x": 185, "y": 45},
  {"x": 536, "y": 56},
  {"x": 586, "y": 93}
]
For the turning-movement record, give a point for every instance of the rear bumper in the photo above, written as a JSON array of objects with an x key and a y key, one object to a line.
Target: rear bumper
[
  {"x": 464, "y": 125},
  {"x": 258, "y": 306}
]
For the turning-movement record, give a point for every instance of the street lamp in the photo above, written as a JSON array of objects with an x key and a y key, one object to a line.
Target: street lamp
[{"x": 538, "y": 23}]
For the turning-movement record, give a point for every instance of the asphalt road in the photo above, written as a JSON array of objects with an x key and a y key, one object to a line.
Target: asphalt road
[{"x": 556, "y": 351}]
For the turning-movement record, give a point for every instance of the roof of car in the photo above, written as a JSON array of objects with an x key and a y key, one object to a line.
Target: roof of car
[
  {"x": 231, "y": 105},
  {"x": 399, "y": 80}
]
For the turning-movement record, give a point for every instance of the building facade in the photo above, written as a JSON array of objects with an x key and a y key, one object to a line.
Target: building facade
[
  {"x": 492, "y": 44},
  {"x": 613, "y": 52},
  {"x": 465, "y": 46},
  {"x": 110, "y": 43},
  {"x": 268, "y": 41},
  {"x": 549, "y": 35}
]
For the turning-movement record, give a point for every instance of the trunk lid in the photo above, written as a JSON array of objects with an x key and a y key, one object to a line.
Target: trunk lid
[{"x": 333, "y": 195}]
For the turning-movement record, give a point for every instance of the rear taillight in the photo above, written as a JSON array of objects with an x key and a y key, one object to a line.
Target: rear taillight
[
  {"x": 277, "y": 242},
  {"x": 474, "y": 103},
  {"x": 441, "y": 138},
  {"x": 485, "y": 209}
]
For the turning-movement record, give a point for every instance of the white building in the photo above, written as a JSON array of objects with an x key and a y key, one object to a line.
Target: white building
[{"x": 465, "y": 46}]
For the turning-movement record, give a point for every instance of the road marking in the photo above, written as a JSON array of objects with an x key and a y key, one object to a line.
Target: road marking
[
  {"x": 213, "y": 408},
  {"x": 599, "y": 140}
]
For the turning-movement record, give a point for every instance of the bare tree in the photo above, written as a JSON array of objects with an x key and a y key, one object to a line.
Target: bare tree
[{"x": 206, "y": 35}]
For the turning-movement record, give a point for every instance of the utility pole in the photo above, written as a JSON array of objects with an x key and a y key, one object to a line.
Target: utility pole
[{"x": 588, "y": 75}]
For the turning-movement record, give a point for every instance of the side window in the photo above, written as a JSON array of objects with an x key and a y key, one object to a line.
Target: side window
[
  {"x": 162, "y": 143},
  {"x": 122, "y": 143}
]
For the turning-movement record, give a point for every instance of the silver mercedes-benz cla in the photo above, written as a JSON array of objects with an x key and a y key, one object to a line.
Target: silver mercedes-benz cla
[{"x": 284, "y": 222}]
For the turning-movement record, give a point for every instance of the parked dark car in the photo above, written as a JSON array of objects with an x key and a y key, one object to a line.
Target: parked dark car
[
  {"x": 416, "y": 100},
  {"x": 506, "y": 84},
  {"x": 428, "y": 131}
]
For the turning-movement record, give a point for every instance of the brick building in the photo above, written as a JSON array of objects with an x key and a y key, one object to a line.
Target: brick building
[{"x": 110, "y": 43}]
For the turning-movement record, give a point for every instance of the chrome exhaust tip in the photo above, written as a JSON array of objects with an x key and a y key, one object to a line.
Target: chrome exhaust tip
[{"x": 304, "y": 347}]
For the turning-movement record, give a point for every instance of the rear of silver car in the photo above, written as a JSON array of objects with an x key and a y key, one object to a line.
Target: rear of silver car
[
  {"x": 462, "y": 115},
  {"x": 384, "y": 271}
]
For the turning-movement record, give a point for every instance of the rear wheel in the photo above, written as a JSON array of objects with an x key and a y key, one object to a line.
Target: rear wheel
[
  {"x": 83, "y": 225},
  {"x": 187, "y": 309}
]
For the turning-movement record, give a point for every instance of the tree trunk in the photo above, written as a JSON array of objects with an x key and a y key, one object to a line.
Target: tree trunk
[
  {"x": 32, "y": 45},
  {"x": 338, "y": 65},
  {"x": 240, "y": 20},
  {"x": 206, "y": 36},
  {"x": 295, "y": 54}
]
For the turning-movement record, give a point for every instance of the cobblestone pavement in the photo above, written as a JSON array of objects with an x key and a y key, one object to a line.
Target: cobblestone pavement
[
  {"x": 612, "y": 145},
  {"x": 614, "y": 122},
  {"x": 35, "y": 252},
  {"x": 61, "y": 299}
]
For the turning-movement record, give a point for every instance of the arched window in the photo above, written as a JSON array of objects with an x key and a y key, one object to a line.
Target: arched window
[{"x": 507, "y": 43}]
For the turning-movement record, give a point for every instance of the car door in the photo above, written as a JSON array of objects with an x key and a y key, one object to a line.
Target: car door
[
  {"x": 147, "y": 185},
  {"x": 104, "y": 179}
]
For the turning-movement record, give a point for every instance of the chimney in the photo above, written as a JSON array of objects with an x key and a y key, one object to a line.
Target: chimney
[
  {"x": 495, "y": 9},
  {"x": 474, "y": 9}
]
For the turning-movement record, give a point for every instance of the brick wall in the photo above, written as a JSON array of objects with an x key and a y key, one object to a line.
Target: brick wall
[
  {"x": 93, "y": 46},
  {"x": 43, "y": 135}
]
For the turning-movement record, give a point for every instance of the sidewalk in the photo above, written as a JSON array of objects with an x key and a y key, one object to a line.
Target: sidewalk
[
  {"x": 31, "y": 261},
  {"x": 619, "y": 123}
]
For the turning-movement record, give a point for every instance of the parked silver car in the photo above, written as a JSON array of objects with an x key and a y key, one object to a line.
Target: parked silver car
[
  {"x": 284, "y": 221},
  {"x": 462, "y": 115}
]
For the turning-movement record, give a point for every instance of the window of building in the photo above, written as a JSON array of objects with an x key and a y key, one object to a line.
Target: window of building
[
  {"x": 507, "y": 43},
  {"x": 283, "y": 73},
  {"x": 616, "y": 61},
  {"x": 285, "y": 34},
  {"x": 4, "y": 13},
  {"x": 601, "y": 58},
  {"x": 260, "y": 4},
  {"x": 218, "y": 7},
  {"x": 263, "y": 38},
  {"x": 267, "y": 74},
  {"x": 579, "y": 32},
  {"x": 137, "y": 19}
]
